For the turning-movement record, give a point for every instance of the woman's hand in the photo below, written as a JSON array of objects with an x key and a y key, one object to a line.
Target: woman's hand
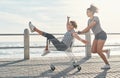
[{"x": 85, "y": 41}]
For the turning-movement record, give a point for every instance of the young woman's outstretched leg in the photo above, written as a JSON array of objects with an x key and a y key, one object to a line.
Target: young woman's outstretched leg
[{"x": 59, "y": 45}]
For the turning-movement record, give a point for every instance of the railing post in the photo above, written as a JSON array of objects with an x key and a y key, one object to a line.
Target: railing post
[
  {"x": 88, "y": 46},
  {"x": 26, "y": 44}
]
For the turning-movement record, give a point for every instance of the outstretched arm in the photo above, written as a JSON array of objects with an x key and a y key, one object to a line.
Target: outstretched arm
[
  {"x": 78, "y": 38},
  {"x": 92, "y": 24},
  {"x": 68, "y": 19}
]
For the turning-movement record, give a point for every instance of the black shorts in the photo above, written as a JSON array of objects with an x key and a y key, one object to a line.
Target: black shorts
[{"x": 101, "y": 36}]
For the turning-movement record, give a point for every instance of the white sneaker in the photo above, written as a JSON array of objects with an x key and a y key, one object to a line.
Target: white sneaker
[
  {"x": 108, "y": 53},
  {"x": 107, "y": 66},
  {"x": 31, "y": 26},
  {"x": 45, "y": 52}
]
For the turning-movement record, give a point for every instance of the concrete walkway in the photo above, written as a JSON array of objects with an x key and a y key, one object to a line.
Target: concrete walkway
[{"x": 39, "y": 68}]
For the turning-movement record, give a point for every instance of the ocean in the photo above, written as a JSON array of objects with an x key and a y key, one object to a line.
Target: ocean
[{"x": 40, "y": 41}]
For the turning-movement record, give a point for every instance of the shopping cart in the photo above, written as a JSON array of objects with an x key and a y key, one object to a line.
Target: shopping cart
[{"x": 69, "y": 54}]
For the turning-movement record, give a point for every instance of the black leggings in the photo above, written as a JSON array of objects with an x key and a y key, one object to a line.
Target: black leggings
[{"x": 60, "y": 46}]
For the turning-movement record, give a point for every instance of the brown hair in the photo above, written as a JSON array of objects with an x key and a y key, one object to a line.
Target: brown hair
[
  {"x": 93, "y": 8},
  {"x": 74, "y": 24}
]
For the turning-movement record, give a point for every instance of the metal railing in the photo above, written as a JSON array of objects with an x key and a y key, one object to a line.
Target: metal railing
[{"x": 26, "y": 46}]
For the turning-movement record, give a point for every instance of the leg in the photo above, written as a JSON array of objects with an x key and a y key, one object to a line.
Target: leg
[
  {"x": 46, "y": 51},
  {"x": 38, "y": 31},
  {"x": 47, "y": 44},
  {"x": 105, "y": 51},
  {"x": 34, "y": 29},
  {"x": 41, "y": 33},
  {"x": 49, "y": 36},
  {"x": 58, "y": 45},
  {"x": 94, "y": 46},
  {"x": 100, "y": 45}
]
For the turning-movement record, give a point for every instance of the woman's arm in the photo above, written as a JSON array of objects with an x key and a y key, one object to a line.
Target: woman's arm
[
  {"x": 92, "y": 24},
  {"x": 78, "y": 38},
  {"x": 68, "y": 19}
]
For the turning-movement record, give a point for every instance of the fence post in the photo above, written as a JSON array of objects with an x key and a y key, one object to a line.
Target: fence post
[
  {"x": 88, "y": 46},
  {"x": 26, "y": 44}
]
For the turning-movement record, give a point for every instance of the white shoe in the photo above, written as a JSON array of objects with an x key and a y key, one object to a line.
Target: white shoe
[
  {"x": 45, "y": 52},
  {"x": 107, "y": 66},
  {"x": 31, "y": 26},
  {"x": 108, "y": 53}
]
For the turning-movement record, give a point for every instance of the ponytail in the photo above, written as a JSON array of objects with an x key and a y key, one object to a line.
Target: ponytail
[{"x": 93, "y": 9}]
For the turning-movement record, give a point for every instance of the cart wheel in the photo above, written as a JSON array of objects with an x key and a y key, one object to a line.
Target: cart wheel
[
  {"x": 79, "y": 68},
  {"x": 74, "y": 64},
  {"x": 52, "y": 67}
]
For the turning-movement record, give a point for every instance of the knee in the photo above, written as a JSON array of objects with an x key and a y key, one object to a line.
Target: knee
[
  {"x": 50, "y": 36},
  {"x": 99, "y": 51},
  {"x": 93, "y": 51}
]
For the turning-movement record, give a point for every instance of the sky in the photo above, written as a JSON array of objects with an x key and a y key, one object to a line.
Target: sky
[{"x": 50, "y": 15}]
